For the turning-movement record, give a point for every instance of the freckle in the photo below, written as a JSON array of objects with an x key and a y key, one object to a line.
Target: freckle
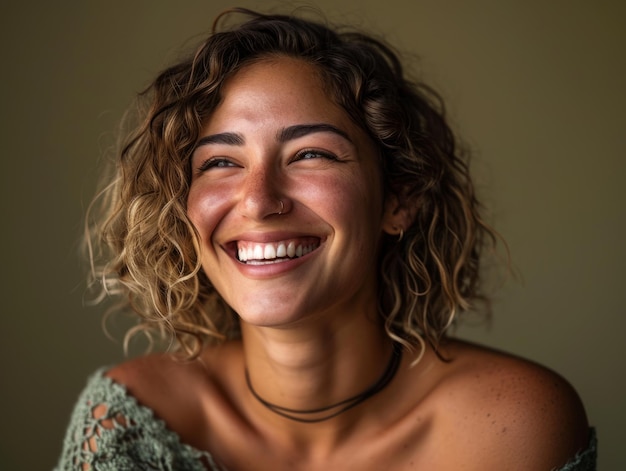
[
  {"x": 488, "y": 414},
  {"x": 503, "y": 429}
]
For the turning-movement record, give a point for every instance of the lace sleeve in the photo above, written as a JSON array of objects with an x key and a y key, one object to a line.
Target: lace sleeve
[
  {"x": 586, "y": 459},
  {"x": 109, "y": 430}
]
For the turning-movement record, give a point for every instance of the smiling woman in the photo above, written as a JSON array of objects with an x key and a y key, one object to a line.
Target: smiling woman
[
  {"x": 282, "y": 146},
  {"x": 295, "y": 216}
]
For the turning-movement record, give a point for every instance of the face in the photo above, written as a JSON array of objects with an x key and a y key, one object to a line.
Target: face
[{"x": 287, "y": 199}]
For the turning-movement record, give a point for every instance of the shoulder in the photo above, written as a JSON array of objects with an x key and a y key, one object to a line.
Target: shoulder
[
  {"x": 182, "y": 393},
  {"x": 111, "y": 429},
  {"x": 162, "y": 383},
  {"x": 167, "y": 376},
  {"x": 505, "y": 410},
  {"x": 150, "y": 367}
]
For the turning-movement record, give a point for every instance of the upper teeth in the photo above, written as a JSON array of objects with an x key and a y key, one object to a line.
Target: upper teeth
[{"x": 257, "y": 251}]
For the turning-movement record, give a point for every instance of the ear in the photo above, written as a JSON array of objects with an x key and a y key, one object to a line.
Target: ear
[{"x": 397, "y": 217}]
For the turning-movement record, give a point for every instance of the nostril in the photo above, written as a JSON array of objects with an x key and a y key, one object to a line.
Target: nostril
[{"x": 259, "y": 206}]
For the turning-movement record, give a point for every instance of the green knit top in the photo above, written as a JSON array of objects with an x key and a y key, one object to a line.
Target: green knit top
[{"x": 128, "y": 436}]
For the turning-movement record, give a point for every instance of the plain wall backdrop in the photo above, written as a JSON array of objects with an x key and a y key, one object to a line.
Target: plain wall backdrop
[{"x": 536, "y": 89}]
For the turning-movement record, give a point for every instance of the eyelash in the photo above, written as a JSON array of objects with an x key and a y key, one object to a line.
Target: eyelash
[
  {"x": 218, "y": 162},
  {"x": 213, "y": 163},
  {"x": 327, "y": 155}
]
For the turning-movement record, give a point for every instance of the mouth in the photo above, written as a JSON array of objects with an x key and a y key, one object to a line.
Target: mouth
[{"x": 258, "y": 253}]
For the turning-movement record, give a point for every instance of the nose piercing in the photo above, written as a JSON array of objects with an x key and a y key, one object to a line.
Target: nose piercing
[{"x": 282, "y": 207}]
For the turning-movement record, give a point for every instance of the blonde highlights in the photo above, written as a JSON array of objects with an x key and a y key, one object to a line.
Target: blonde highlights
[{"x": 144, "y": 249}]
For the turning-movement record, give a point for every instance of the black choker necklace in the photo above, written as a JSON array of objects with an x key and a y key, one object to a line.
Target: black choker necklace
[{"x": 346, "y": 404}]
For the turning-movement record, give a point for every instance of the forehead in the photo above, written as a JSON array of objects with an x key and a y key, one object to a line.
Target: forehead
[
  {"x": 278, "y": 88},
  {"x": 288, "y": 73}
]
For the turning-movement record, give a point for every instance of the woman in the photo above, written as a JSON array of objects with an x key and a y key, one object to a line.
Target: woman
[{"x": 295, "y": 216}]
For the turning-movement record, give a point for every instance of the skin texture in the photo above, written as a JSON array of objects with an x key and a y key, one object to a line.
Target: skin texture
[
  {"x": 310, "y": 336},
  {"x": 331, "y": 193}
]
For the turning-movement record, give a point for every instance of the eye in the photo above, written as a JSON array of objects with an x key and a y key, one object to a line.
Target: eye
[
  {"x": 215, "y": 162},
  {"x": 309, "y": 154}
]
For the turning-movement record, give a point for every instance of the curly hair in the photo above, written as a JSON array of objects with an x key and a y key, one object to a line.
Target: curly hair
[{"x": 139, "y": 228}]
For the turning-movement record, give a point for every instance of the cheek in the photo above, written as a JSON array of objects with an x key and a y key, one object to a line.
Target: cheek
[
  {"x": 204, "y": 208},
  {"x": 346, "y": 200}
]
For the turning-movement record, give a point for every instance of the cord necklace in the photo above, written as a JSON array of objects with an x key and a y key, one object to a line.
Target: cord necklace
[{"x": 346, "y": 404}]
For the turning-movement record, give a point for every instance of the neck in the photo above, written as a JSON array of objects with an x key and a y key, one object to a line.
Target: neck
[
  {"x": 308, "y": 369},
  {"x": 321, "y": 414}
]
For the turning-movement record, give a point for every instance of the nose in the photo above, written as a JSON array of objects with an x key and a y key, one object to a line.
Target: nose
[{"x": 262, "y": 193}]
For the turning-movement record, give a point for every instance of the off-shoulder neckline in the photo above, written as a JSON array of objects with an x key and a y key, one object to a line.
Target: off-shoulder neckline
[{"x": 122, "y": 391}]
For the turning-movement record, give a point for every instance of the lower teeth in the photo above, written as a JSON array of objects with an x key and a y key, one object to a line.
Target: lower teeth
[{"x": 267, "y": 262}]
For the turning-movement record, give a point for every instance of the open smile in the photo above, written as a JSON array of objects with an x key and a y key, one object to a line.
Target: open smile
[{"x": 258, "y": 253}]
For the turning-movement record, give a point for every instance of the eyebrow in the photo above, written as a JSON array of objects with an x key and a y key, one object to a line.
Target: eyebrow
[
  {"x": 228, "y": 138},
  {"x": 299, "y": 130},
  {"x": 292, "y": 132}
]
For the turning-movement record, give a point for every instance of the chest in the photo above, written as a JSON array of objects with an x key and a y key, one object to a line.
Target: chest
[{"x": 411, "y": 444}]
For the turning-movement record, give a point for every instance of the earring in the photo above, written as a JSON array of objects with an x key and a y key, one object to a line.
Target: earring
[{"x": 400, "y": 231}]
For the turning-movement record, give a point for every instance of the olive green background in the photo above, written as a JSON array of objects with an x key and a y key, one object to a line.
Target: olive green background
[{"x": 536, "y": 88}]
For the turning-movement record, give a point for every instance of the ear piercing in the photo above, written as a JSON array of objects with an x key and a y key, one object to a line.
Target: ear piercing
[{"x": 400, "y": 232}]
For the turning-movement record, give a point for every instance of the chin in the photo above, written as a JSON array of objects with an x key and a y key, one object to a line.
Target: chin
[{"x": 272, "y": 316}]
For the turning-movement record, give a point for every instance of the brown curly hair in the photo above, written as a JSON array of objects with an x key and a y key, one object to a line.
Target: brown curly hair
[{"x": 139, "y": 227}]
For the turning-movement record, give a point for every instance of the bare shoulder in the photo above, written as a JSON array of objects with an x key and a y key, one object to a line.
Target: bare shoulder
[
  {"x": 508, "y": 412},
  {"x": 171, "y": 371},
  {"x": 146, "y": 371},
  {"x": 156, "y": 380},
  {"x": 175, "y": 389}
]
